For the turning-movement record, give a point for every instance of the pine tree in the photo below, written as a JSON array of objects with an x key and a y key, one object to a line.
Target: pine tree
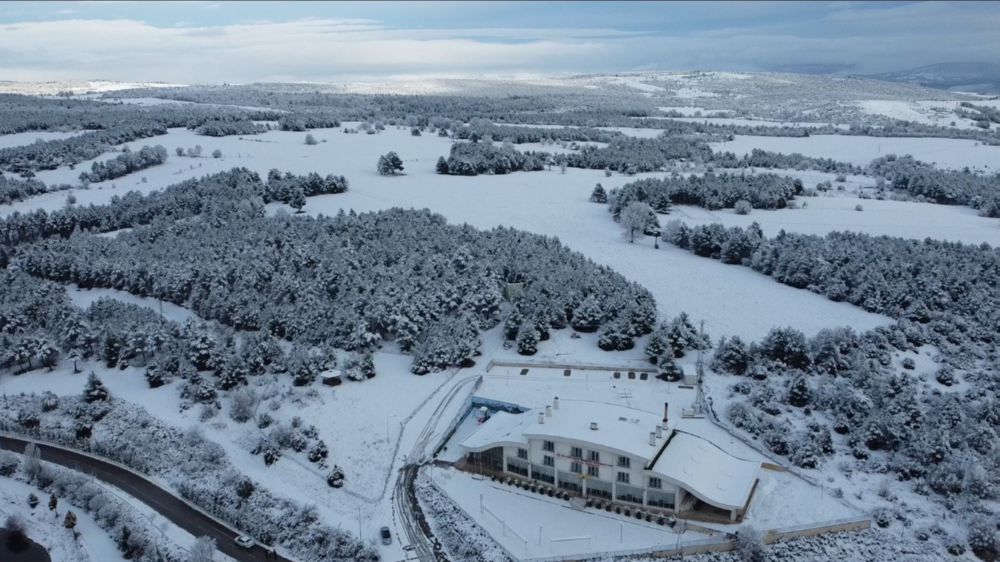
[
  {"x": 32, "y": 501},
  {"x": 527, "y": 338},
  {"x": 668, "y": 368},
  {"x": 731, "y": 356},
  {"x": 681, "y": 335},
  {"x": 442, "y": 165},
  {"x": 656, "y": 345},
  {"x": 598, "y": 195},
  {"x": 112, "y": 351},
  {"x": 53, "y": 502},
  {"x": 94, "y": 390},
  {"x": 70, "y": 521},
  {"x": 614, "y": 336},
  {"x": 319, "y": 452},
  {"x": 366, "y": 366},
  {"x": 389, "y": 164},
  {"x": 786, "y": 345},
  {"x": 335, "y": 478},
  {"x": 154, "y": 377},
  {"x": 297, "y": 200},
  {"x": 587, "y": 315},
  {"x": 799, "y": 394}
]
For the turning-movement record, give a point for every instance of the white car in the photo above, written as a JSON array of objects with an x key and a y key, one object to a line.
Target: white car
[{"x": 245, "y": 541}]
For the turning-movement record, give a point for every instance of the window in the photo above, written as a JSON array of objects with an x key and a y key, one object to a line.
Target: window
[
  {"x": 522, "y": 454},
  {"x": 595, "y": 456},
  {"x": 624, "y": 462},
  {"x": 655, "y": 482},
  {"x": 623, "y": 477},
  {"x": 576, "y": 453},
  {"x": 548, "y": 446},
  {"x": 575, "y": 468},
  {"x": 548, "y": 461},
  {"x": 593, "y": 471}
]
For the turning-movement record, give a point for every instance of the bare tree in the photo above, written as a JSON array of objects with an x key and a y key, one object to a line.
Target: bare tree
[
  {"x": 32, "y": 465},
  {"x": 203, "y": 550},
  {"x": 634, "y": 219},
  {"x": 750, "y": 545}
]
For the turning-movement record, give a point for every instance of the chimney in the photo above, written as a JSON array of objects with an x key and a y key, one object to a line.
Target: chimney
[
  {"x": 652, "y": 438},
  {"x": 555, "y": 403},
  {"x": 593, "y": 426},
  {"x": 541, "y": 418},
  {"x": 548, "y": 411},
  {"x": 666, "y": 407},
  {"x": 659, "y": 431}
]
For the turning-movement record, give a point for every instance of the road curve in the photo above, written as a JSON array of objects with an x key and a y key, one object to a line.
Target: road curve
[{"x": 162, "y": 501}]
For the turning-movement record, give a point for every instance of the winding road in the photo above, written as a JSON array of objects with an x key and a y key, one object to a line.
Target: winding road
[
  {"x": 162, "y": 501},
  {"x": 425, "y": 546}
]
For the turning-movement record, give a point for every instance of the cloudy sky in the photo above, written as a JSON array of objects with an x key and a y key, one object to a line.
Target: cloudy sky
[{"x": 213, "y": 42}]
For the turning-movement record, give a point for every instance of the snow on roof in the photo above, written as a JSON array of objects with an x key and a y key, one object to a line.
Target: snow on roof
[
  {"x": 692, "y": 462},
  {"x": 618, "y": 428},
  {"x": 502, "y": 428},
  {"x": 711, "y": 474}
]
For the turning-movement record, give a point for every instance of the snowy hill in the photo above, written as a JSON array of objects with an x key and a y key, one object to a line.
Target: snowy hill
[{"x": 983, "y": 77}]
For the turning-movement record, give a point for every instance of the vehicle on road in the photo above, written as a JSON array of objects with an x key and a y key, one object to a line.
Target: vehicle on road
[
  {"x": 386, "y": 535},
  {"x": 245, "y": 541}
]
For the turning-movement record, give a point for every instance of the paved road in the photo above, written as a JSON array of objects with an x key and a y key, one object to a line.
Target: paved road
[{"x": 162, "y": 501}]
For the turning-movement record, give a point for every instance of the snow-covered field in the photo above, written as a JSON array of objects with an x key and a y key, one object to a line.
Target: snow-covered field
[
  {"x": 83, "y": 298},
  {"x": 929, "y": 112},
  {"x": 823, "y": 214},
  {"x": 945, "y": 153},
  {"x": 21, "y": 139},
  {"x": 732, "y": 300}
]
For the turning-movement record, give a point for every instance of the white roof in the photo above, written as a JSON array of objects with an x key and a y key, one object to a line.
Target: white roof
[
  {"x": 711, "y": 474},
  {"x": 618, "y": 428},
  {"x": 501, "y": 429},
  {"x": 694, "y": 463}
]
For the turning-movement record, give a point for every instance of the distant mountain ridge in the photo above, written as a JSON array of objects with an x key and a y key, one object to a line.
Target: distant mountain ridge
[{"x": 981, "y": 77}]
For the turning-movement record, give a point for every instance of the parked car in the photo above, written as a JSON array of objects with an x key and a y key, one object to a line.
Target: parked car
[
  {"x": 245, "y": 541},
  {"x": 386, "y": 535}
]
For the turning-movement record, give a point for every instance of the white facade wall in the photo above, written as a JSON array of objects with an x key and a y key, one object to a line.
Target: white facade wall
[{"x": 608, "y": 468}]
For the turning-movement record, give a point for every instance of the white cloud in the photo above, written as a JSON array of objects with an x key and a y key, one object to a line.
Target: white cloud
[{"x": 344, "y": 49}]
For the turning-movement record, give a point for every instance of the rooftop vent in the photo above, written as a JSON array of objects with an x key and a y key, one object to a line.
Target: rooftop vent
[
  {"x": 548, "y": 411},
  {"x": 652, "y": 438},
  {"x": 541, "y": 417},
  {"x": 555, "y": 403},
  {"x": 659, "y": 431},
  {"x": 593, "y": 426}
]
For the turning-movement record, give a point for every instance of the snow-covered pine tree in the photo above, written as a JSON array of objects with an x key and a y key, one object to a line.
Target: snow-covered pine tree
[
  {"x": 656, "y": 346},
  {"x": 668, "y": 368},
  {"x": 442, "y": 165},
  {"x": 587, "y": 316},
  {"x": 731, "y": 356},
  {"x": 94, "y": 390},
  {"x": 598, "y": 195},
  {"x": 527, "y": 338}
]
